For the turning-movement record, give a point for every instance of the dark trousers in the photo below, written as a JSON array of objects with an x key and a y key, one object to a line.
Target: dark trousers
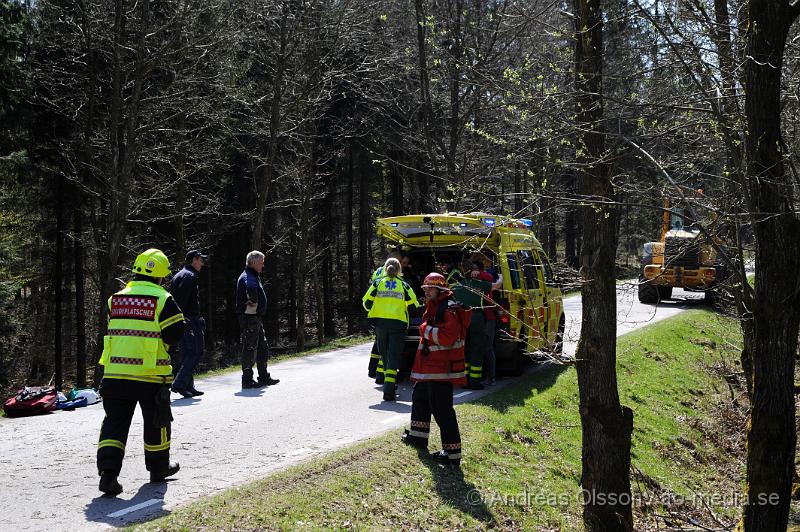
[
  {"x": 475, "y": 348},
  {"x": 254, "y": 347},
  {"x": 120, "y": 398},
  {"x": 191, "y": 349},
  {"x": 491, "y": 359},
  {"x": 374, "y": 358},
  {"x": 436, "y": 398},
  {"x": 391, "y": 336}
]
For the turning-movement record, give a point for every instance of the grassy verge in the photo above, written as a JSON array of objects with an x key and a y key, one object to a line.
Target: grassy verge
[{"x": 522, "y": 450}]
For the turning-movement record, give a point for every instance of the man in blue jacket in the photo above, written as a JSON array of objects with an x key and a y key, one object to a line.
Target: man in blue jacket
[
  {"x": 186, "y": 291},
  {"x": 251, "y": 304}
]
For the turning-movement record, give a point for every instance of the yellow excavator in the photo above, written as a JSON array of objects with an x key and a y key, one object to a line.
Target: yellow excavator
[{"x": 682, "y": 258}]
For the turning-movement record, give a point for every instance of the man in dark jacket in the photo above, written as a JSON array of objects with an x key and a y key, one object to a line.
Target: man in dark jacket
[
  {"x": 251, "y": 304},
  {"x": 186, "y": 291}
]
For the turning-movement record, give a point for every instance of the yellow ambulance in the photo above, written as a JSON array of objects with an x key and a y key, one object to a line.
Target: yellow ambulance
[{"x": 531, "y": 311}]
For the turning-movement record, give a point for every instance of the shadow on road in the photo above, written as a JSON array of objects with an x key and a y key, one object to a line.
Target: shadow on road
[
  {"x": 392, "y": 406},
  {"x": 104, "y": 509},
  {"x": 538, "y": 378},
  {"x": 184, "y": 401},
  {"x": 455, "y": 491},
  {"x": 250, "y": 392}
]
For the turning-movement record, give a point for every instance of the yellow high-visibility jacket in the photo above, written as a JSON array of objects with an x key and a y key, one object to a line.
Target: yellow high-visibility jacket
[
  {"x": 389, "y": 298},
  {"x": 133, "y": 348}
]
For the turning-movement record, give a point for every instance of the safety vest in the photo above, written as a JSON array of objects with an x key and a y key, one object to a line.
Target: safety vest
[
  {"x": 388, "y": 296},
  {"x": 133, "y": 348}
]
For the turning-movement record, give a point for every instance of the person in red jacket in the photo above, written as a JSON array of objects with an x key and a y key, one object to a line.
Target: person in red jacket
[{"x": 438, "y": 366}]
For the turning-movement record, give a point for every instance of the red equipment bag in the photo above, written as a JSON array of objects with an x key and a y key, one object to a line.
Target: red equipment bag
[{"x": 31, "y": 401}]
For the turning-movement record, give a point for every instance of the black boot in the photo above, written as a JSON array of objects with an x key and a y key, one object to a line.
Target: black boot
[
  {"x": 372, "y": 368},
  {"x": 379, "y": 378},
  {"x": 195, "y": 393},
  {"x": 246, "y": 385},
  {"x": 443, "y": 457},
  {"x": 109, "y": 484},
  {"x": 474, "y": 384},
  {"x": 414, "y": 441},
  {"x": 267, "y": 381},
  {"x": 185, "y": 393},
  {"x": 158, "y": 476}
]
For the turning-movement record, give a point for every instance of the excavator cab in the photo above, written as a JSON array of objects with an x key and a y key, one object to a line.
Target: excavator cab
[{"x": 682, "y": 257}]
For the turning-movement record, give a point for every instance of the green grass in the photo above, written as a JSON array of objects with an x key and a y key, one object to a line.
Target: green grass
[{"x": 522, "y": 451}]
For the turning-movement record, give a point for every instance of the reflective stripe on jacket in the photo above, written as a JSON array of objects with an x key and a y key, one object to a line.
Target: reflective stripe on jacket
[
  {"x": 440, "y": 355},
  {"x": 389, "y": 298},
  {"x": 133, "y": 348}
]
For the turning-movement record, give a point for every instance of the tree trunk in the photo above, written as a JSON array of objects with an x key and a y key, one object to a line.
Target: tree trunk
[
  {"x": 266, "y": 170},
  {"x": 275, "y": 279},
  {"x": 570, "y": 249},
  {"x": 729, "y": 108},
  {"x": 180, "y": 194},
  {"x": 123, "y": 147},
  {"x": 58, "y": 288},
  {"x": 291, "y": 293},
  {"x": 397, "y": 190},
  {"x": 319, "y": 296},
  {"x": 327, "y": 240},
  {"x": 454, "y": 69},
  {"x": 85, "y": 175},
  {"x": 606, "y": 425},
  {"x": 519, "y": 202},
  {"x": 80, "y": 298},
  {"x": 428, "y": 119},
  {"x": 351, "y": 282},
  {"x": 302, "y": 264},
  {"x": 327, "y": 293},
  {"x": 364, "y": 226},
  {"x": 771, "y": 436}
]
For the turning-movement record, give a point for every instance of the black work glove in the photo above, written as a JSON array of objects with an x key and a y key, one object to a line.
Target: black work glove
[{"x": 163, "y": 415}]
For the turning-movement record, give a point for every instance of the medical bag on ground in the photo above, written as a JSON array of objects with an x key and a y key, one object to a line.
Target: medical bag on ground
[
  {"x": 31, "y": 401},
  {"x": 71, "y": 405},
  {"x": 90, "y": 394}
]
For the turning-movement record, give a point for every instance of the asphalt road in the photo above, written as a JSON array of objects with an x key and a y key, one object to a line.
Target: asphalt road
[{"x": 227, "y": 437}]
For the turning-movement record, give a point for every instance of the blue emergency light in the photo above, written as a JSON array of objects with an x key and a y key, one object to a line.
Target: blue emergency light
[
  {"x": 489, "y": 222},
  {"x": 395, "y": 224},
  {"x": 463, "y": 225},
  {"x": 527, "y": 222}
]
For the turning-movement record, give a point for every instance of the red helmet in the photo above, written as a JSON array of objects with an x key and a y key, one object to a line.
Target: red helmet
[{"x": 435, "y": 280}]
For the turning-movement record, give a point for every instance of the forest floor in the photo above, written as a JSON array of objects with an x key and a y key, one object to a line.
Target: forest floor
[{"x": 522, "y": 453}]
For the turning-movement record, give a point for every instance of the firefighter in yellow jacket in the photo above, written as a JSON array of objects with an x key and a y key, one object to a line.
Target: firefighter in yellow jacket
[
  {"x": 143, "y": 321},
  {"x": 386, "y": 301}
]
